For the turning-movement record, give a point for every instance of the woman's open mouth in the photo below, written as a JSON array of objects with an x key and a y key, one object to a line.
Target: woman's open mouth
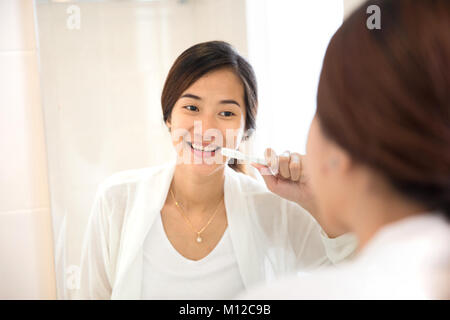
[{"x": 201, "y": 151}]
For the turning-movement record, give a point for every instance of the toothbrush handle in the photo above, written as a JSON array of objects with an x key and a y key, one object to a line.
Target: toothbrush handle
[{"x": 259, "y": 160}]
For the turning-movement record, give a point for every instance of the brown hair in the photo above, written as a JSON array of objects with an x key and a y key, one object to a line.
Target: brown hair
[
  {"x": 384, "y": 96},
  {"x": 200, "y": 59}
]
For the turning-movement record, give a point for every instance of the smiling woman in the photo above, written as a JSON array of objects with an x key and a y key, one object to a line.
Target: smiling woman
[
  {"x": 232, "y": 75},
  {"x": 203, "y": 119},
  {"x": 199, "y": 229}
]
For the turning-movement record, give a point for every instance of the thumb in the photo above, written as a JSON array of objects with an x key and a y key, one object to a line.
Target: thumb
[{"x": 266, "y": 173}]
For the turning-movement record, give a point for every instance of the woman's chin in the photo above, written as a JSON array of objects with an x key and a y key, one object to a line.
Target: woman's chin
[
  {"x": 203, "y": 166},
  {"x": 205, "y": 169}
]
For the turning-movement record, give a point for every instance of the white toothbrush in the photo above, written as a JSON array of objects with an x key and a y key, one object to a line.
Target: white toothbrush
[{"x": 241, "y": 156}]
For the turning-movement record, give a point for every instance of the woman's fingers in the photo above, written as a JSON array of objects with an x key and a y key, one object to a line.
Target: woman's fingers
[
  {"x": 295, "y": 166},
  {"x": 269, "y": 179},
  {"x": 290, "y": 182},
  {"x": 284, "y": 160},
  {"x": 272, "y": 161},
  {"x": 287, "y": 165}
]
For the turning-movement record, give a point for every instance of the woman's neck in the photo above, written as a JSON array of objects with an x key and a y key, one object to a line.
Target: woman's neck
[
  {"x": 371, "y": 213},
  {"x": 195, "y": 192}
]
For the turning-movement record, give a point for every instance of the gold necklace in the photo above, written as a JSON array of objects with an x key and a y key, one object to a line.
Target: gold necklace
[{"x": 199, "y": 238}]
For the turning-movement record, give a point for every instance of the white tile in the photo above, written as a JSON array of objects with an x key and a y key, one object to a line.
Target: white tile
[
  {"x": 23, "y": 163},
  {"x": 26, "y": 268},
  {"x": 17, "y": 27}
]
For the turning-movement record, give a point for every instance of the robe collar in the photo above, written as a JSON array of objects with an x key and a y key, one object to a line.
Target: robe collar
[{"x": 151, "y": 194}]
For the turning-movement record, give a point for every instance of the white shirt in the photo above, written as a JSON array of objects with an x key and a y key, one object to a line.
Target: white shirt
[
  {"x": 407, "y": 259},
  {"x": 169, "y": 275},
  {"x": 270, "y": 236}
]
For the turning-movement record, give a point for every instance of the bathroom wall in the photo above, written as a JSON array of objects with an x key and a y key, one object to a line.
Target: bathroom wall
[
  {"x": 351, "y": 5},
  {"x": 26, "y": 238}
]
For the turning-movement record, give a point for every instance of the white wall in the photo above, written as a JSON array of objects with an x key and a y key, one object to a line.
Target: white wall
[
  {"x": 287, "y": 43},
  {"x": 26, "y": 243},
  {"x": 351, "y": 5}
]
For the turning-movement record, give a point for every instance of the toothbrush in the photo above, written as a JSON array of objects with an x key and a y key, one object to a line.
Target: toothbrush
[{"x": 241, "y": 156}]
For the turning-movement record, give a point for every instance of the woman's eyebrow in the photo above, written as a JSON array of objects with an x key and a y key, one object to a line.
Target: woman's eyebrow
[
  {"x": 189, "y": 95},
  {"x": 230, "y": 102},
  {"x": 227, "y": 101}
]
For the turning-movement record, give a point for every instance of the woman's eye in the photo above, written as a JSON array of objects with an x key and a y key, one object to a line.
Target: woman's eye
[
  {"x": 191, "y": 108},
  {"x": 227, "y": 113}
]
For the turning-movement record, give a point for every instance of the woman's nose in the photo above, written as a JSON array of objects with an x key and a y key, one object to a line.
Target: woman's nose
[
  {"x": 206, "y": 129},
  {"x": 205, "y": 123}
]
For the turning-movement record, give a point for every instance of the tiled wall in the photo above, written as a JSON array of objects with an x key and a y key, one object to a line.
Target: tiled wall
[{"x": 26, "y": 257}]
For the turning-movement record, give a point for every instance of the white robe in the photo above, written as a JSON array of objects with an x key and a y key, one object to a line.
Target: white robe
[
  {"x": 407, "y": 259},
  {"x": 271, "y": 236}
]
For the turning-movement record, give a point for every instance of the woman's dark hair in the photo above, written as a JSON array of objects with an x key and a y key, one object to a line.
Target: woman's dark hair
[
  {"x": 197, "y": 61},
  {"x": 384, "y": 96}
]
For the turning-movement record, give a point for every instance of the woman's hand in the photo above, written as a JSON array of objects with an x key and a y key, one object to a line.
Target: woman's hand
[{"x": 286, "y": 176}]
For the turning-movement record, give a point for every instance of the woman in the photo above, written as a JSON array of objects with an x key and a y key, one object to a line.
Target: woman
[
  {"x": 197, "y": 228},
  {"x": 379, "y": 152}
]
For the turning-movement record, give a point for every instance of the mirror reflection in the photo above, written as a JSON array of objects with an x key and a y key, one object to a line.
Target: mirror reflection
[{"x": 117, "y": 99}]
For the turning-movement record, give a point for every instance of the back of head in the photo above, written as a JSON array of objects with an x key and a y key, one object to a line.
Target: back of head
[{"x": 384, "y": 96}]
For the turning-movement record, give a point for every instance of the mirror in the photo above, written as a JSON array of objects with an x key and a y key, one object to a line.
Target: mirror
[{"x": 103, "y": 65}]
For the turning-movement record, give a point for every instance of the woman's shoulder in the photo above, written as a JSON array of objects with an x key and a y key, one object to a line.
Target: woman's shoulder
[
  {"x": 132, "y": 175},
  {"x": 125, "y": 181}
]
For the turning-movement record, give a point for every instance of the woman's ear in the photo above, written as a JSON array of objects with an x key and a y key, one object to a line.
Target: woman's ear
[
  {"x": 168, "y": 124},
  {"x": 340, "y": 160}
]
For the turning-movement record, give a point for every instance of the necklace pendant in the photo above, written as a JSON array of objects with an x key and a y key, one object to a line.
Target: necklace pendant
[{"x": 199, "y": 239}]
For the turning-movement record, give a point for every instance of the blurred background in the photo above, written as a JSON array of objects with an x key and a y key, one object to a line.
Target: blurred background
[{"x": 81, "y": 83}]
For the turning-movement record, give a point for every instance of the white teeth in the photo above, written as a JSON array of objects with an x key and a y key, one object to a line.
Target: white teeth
[
  {"x": 198, "y": 147},
  {"x": 201, "y": 148}
]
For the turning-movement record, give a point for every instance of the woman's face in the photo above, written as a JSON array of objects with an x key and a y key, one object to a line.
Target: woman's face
[
  {"x": 326, "y": 170},
  {"x": 210, "y": 114}
]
